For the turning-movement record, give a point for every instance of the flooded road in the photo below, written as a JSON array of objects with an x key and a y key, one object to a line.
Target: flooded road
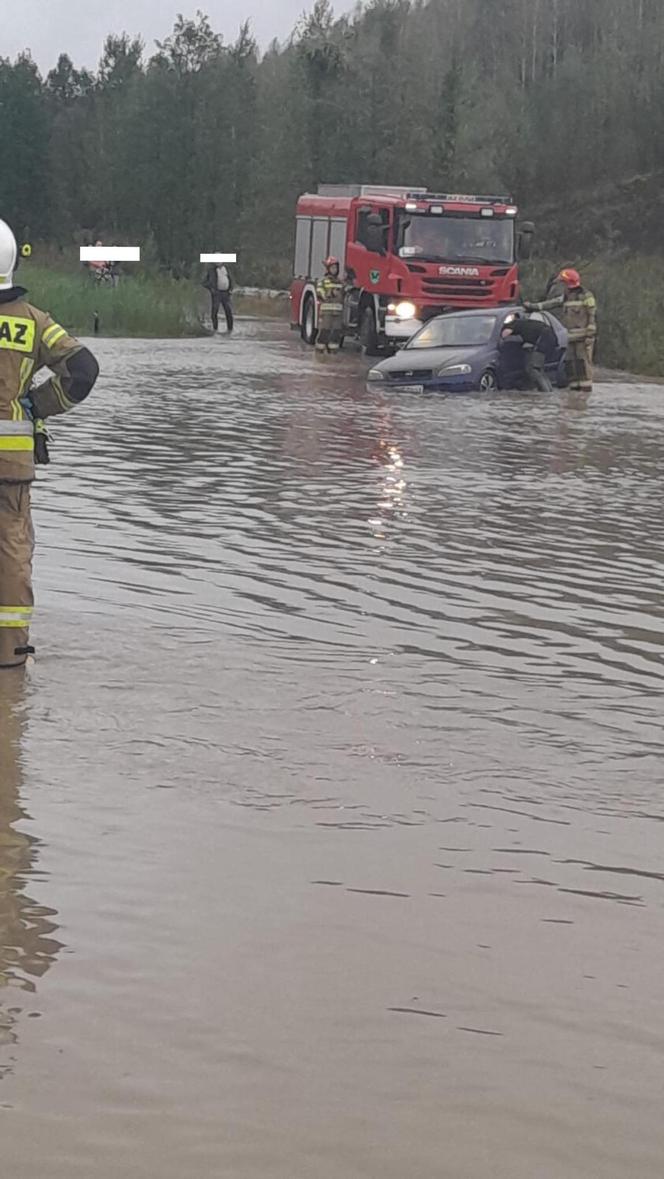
[{"x": 331, "y": 812}]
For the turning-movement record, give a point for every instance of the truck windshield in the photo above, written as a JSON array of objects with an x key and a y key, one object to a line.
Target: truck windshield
[
  {"x": 430, "y": 238},
  {"x": 454, "y": 331}
]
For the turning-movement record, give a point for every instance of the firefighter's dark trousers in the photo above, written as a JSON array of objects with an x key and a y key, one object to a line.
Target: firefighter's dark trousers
[
  {"x": 535, "y": 365},
  {"x": 221, "y": 299},
  {"x": 329, "y": 329},
  {"x": 579, "y": 361},
  {"x": 16, "y": 548}
]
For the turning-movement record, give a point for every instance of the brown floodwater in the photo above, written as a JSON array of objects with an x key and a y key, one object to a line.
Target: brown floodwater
[{"x": 331, "y": 810}]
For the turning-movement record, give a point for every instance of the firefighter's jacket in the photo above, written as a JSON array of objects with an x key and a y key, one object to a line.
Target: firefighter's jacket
[
  {"x": 577, "y": 311},
  {"x": 330, "y": 292},
  {"x": 29, "y": 341}
]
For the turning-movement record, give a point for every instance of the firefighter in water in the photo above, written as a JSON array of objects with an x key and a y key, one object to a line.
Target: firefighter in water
[
  {"x": 577, "y": 310},
  {"x": 330, "y": 292},
  {"x": 29, "y": 340}
]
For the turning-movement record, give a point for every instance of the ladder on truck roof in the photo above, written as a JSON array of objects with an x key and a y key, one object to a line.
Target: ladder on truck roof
[
  {"x": 450, "y": 197},
  {"x": 369, "y": 190},
  {"x": 406, "y": 192}
]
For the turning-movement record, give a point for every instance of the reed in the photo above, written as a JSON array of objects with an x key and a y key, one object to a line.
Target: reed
[{"x": 149, "y": 306}]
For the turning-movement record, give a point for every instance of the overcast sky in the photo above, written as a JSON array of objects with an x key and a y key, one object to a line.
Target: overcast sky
[{"x": 78, "y": 27}]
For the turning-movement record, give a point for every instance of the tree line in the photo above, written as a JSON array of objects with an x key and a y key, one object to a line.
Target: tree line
[{"x": 203, "y": 145}]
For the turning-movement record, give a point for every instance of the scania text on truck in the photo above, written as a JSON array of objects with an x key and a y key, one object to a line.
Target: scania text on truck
[{"x": 406, "y": 254}]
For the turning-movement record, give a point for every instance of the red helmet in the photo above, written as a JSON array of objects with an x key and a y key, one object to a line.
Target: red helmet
[
  {"x": 571, "y": 278},
  {"x": 330, "y": 262}
]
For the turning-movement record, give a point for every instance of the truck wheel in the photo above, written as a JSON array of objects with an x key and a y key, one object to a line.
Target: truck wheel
[
  {"x": 368, "y": 333},
  {"x": 308, "y": 329}
]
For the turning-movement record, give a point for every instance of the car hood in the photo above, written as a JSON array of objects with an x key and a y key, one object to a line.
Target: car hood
[{"x": 416, "y": 359}]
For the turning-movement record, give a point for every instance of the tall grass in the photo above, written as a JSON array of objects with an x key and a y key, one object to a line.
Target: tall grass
[
  {"x": 630, "y": 307},
  {"x": 149, "y": 304},
  {"x": 139, "y": 306}
]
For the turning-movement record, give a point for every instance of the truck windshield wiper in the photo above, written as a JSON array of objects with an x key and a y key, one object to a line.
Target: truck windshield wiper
[
  {"x": 476, "y": 258},
  {"x": 455, "y": 259}
]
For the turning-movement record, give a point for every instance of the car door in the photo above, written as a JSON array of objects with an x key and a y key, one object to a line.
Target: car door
[
  {"x": 553, "y": 350},
  {"x": 561, "y": 336},
  {"x": 509, "y": 359},
  {"x": 550, "y": 347}
]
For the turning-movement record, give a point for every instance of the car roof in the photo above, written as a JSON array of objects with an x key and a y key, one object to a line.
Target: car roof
[{"x": 479, "y": 311}]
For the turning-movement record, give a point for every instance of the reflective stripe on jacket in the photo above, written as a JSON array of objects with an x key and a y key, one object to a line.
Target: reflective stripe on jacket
[
  {"x": 29, "y": 341},
  {"x": 577, "y": 311},
  {"x": 16, "y": 436},
  {"x": 580, "y": 312},
  {"x": 330, "y": 293}
]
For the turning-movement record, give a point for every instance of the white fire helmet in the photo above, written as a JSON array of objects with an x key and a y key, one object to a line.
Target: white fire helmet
[{"x": 8, "y": 256}]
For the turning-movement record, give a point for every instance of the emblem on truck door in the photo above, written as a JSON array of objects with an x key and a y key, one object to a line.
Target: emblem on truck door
[{"x": 374, "y": 275}]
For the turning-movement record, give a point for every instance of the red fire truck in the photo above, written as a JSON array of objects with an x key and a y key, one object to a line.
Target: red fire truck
[{"x": 406, "y": 254}]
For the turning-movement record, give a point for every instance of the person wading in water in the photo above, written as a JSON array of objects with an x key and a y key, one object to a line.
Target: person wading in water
[{"x": 219, "y": 283}]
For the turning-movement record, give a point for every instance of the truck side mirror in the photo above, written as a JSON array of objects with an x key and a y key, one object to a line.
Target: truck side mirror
[{"x": 526, "y": 234}]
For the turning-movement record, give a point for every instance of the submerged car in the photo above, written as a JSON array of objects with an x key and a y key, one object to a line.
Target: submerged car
[{"x": 464, "y": 350}]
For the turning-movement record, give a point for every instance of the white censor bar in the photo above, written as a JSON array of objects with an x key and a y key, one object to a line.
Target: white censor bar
[
  {"x": 110, "y": 253},
  {"x": 218, "y": 257}
]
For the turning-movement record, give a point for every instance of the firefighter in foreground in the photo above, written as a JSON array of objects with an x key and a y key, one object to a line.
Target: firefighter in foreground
[
  {"x": 577, "y": 311},
  {"x": 330, "y": 292},
  {"x": 29, "y": 341}
]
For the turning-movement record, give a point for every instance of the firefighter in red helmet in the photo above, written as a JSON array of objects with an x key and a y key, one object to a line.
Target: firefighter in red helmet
[
  {"x": 330, "y": 292},
  {"x": 577, "y": 310}
]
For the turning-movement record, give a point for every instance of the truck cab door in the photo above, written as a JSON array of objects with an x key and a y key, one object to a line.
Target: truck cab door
[
  {"x": 368, "y": 249},
  {"x": 373, "y": 229},
  {"x": 352, "y": 295}
]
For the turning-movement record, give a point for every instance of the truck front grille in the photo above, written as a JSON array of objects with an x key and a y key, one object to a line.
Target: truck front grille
[{"x": 467, "y": 288}]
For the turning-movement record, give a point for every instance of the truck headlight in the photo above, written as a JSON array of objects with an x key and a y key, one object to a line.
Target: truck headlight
[
  {"x": 454, "y": 370},
  {"x": 405, "y": 310},
  {"x": 375, "y": 374}
]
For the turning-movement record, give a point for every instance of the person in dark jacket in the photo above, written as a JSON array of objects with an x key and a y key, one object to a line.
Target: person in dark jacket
[
  {"x": 536, "y": 338},
  {"x": 219, "y": 283}
]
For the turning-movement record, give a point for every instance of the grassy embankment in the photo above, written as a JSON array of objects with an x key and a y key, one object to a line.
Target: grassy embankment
[
  {"x": 146, "y": 305},
  {"x": 141, "y": 306}
]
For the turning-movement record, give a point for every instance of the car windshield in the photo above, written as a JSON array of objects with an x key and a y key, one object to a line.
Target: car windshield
[
  {"x": 454, "y": 331},
  {"x": 432, "y": 238}
]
